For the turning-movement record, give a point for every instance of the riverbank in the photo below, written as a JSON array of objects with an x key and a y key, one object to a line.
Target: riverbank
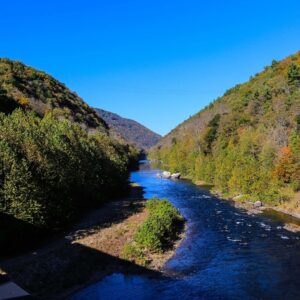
[
  {"x": 290, "y": 219},
  {"x": 288, "y": 212},
  {"x": 91, "y": 250}
]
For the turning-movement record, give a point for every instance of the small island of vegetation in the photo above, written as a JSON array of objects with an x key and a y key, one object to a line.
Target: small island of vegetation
[{"x": 157, "y": 234}]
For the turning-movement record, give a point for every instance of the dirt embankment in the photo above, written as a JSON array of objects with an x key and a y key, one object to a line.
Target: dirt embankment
[{"x": 90, "y": 251}]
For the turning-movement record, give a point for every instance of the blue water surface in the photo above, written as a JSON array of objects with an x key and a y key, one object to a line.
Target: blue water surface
[{"x": 227, "y": 254}]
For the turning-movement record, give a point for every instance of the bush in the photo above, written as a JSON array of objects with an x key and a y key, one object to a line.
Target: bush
[
  {"x": 133, "y": 253},
  {"x": 162, "y": 226},
  {"x": 294, "y": 74}
]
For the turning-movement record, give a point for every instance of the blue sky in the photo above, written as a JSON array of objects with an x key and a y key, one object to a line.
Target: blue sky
[{"x": 157, "y": 62}]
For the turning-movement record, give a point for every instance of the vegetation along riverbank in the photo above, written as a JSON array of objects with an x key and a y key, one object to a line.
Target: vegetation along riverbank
[
  {"x": 58, "y": 158},
  {"x": 284, "y": 213},
  {"x": 245, "y": 143},
  {"x": 126, "y": 235}
]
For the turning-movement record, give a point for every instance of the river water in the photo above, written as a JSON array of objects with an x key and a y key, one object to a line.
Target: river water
[{"x": 227, "y": 254}]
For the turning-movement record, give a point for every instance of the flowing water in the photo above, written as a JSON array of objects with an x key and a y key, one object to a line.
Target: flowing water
[{"x": 227, "y": 254}]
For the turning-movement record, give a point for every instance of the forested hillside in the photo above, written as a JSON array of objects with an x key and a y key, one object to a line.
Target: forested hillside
[
  {"x": 247, "y": 142},
  {"x": 131, "y": 131},
  {"x": 26, "y": 87},
  {"x": 56, "y": 155}
]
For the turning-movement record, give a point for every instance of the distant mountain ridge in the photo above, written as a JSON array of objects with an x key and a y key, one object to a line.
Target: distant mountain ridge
[{"x": 131, "y": 131}]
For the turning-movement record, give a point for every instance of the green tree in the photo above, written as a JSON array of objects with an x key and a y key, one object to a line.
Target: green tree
[{"x": 294, "y": 74}]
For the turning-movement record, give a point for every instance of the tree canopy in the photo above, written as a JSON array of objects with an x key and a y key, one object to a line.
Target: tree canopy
[{"x": 246, "y": 142}]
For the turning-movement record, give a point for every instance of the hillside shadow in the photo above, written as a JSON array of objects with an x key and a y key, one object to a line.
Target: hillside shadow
[
  {"x": 18, "y": 237},
  {"x": 62, "y": 264},
  {"x": 110, "y": 213},
  {"x": 59, "y": 272}
]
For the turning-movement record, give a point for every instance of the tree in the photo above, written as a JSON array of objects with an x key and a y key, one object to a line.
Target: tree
[
  {"x": 294, "y": 74},
  {"x": 287, "y": 169}
]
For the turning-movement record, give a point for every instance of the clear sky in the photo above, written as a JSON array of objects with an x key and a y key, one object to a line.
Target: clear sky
[{"x": 155, "y": 61}]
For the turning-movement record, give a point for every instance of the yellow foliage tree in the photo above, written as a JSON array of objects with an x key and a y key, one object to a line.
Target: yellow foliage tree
[{"x": 23, "y": 101}]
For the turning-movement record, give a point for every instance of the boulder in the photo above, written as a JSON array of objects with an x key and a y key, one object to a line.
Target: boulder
[
  {"x": 257, "y": 204},
  {"x": 238, "y": 197},
  {"x": 175, "y": 176},
  {"x": 166, "y": 174}
]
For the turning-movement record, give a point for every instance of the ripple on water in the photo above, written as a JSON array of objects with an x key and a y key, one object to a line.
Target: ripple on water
[
  {"x": 284, "y": 237},
  {"x": 265, "y": 226},
  {"x": 233, "y": 239}
]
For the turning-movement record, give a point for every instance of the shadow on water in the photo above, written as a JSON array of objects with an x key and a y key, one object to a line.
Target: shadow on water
[{"x": 63, "y": 265}]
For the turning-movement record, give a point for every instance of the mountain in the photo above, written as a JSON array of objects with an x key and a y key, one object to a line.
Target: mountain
[
  {"x": 28, "y": 88},
  {"x": 131, "y": 131},
  {"x": 247, "y": 142},
  {"x": 57, "y": 157},
  {"x": 23, "y": 86}
]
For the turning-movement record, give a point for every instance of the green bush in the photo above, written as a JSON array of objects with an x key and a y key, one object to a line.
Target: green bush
[
  {"x": 161, "y": 227},
  {"x": 132, "y": 252},
  {"x": 294, "y": 74}
]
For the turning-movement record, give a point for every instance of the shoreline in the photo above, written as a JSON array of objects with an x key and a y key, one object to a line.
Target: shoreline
[
  {"x": 291, "y": 225},
  {"x": 290, "y": 220},
  {"x": 88, "y": 252}
]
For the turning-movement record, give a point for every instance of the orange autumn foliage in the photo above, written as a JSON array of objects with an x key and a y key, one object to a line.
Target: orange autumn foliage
[
  {"x": 287, "y": 168},
  {"x": 285, "y": 151}
]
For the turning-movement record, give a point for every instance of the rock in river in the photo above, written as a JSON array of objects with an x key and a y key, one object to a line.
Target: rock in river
[
  {"x": 166, "y": 174},
  {"x": 175, "y": 176}
]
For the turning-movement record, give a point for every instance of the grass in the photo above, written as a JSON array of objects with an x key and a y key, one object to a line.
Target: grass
[
  {"x": 134, "y": 253},
  {"x": 157, "y": 233}
]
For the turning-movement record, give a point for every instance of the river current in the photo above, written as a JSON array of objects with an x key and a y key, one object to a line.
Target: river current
[{"x": 227, "y": 253}]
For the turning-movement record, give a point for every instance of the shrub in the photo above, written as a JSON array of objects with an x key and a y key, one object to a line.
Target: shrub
[
  {"x": 294, "y": 74},
  {"x": 133, "y": 253},
  {"x": 161, "y": 227}
]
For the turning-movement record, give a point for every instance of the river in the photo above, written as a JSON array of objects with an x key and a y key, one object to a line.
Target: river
[{"x": 227, "y": 254}]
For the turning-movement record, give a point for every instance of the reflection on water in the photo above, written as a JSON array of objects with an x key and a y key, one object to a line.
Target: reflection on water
[{"x": 227, "y": 254}]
